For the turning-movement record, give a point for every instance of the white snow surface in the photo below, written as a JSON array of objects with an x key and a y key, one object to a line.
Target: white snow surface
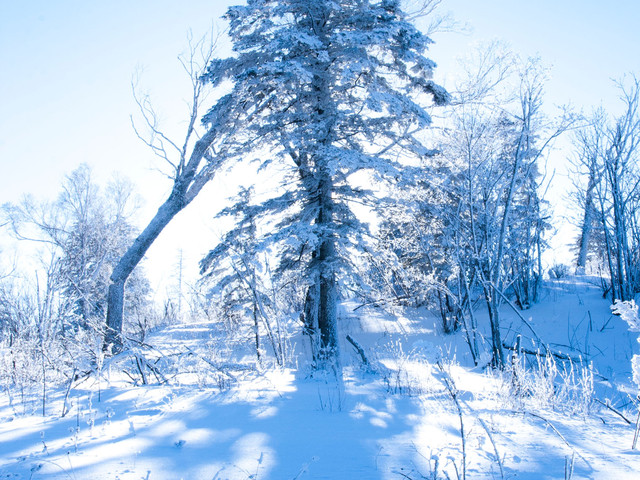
[{"x": 396, "y": 420}]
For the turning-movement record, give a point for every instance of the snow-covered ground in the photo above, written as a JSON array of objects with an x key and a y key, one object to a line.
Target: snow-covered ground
[{"x": 399, "y": 419}]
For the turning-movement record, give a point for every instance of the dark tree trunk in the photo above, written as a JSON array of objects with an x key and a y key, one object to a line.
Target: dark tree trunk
[
  {"x": 326, "y": 289},
  {"x": 256, "y": 330},
  {"x": 494, "y": 320},
  {"x": 327, "y": 315}
]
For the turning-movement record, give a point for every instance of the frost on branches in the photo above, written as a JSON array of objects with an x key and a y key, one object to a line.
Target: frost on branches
[
  {"x": 628, "y": 311},
  {"x": 324, "y": 89}
]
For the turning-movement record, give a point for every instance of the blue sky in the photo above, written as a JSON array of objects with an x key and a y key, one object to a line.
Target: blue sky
[
  {"x": 66, "y": 68},
  {"x": 65, "y": 82},
  {"x": 586, "y": 42}
]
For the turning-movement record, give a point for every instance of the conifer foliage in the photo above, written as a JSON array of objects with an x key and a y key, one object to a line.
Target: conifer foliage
[{"x": 325, "y": 88}]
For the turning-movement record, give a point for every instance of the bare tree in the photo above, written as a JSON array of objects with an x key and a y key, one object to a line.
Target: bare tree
[
  {"x": 621, "y": 174},
  {"x": 193, "y": 162},
  {"x": 609, "y": 149},
  {"x": 497, "y": 139},
  {"x": 86, "y": 229}
]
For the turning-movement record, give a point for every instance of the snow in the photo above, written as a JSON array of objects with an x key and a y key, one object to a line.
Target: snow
[
  {"x": 628, "y": 311},
  {"x": 395, "y": 420}
]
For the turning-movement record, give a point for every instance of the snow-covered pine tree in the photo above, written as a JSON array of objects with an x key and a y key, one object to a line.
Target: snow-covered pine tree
[
  {"x": 231, "y": 271},
  {"x": 329, "y": 88}
]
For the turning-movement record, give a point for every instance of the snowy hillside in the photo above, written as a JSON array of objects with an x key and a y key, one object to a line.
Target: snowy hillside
[{"x": 417, "y": 410}]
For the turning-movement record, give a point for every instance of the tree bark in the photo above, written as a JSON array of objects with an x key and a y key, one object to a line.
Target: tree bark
[
  {"x": 187, "y": 184},
  {"x": 126, "y": 265},
  {"x": 327, "y": 316},
  {"x": 587, "y": 224},
  {"x": 326, "y": 288}
]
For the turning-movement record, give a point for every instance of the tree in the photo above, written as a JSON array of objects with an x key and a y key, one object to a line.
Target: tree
[
  {"x": 87, "y": 230},
  {"x": 586, "y": 162},
  {"x": 416, "y": 245},
  {"x": 526, "y": 138},
  {"x": 193, "y": 163},
  {"x": 622, "y": 177},
  {"x": 234, "y": 269},
  {"x": 330, "y": 89},
  {"x": 608, "y": 151},
  {"x": 490, "y": 206}
]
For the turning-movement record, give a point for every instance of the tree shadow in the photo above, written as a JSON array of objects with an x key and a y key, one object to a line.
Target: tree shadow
[{"x": 304, "y": 429}]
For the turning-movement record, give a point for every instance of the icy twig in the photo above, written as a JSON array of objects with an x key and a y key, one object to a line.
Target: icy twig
[
  {"x": 637, "y": 433},
  {"x": 557, "y": 432},
  {"x": 614, "y": 410},
  {"x": 453, "y": 392},
  {"x": 495, "y": 448},
  {"x": 360, "y": 350}
]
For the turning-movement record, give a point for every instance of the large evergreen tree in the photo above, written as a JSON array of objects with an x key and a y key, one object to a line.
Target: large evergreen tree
[{"x": 328, "y": 88}]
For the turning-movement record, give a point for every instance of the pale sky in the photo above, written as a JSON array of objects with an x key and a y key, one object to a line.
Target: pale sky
[{"x": 66, "y": 67}]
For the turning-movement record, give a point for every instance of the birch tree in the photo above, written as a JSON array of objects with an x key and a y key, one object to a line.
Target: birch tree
[{"x": 86, "y": 230}]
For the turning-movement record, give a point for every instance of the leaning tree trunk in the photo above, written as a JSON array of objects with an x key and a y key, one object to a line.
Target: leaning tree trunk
[
  {"x": 126, "y": 265},
  {"x": 187, "y": 184}
]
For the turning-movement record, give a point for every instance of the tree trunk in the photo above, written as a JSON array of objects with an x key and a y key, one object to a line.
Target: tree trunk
[
  {"x": 495, "y": 276},
  {"x": 587, "y": 224},
  {"x": 326, "y": 288},
  {"x": 325, "y": 257},
  {"x": 540, "y": 274},
  {"x": 126, "y": 265},
  {"x": 608, "y": 247},
  {"x": 256, "y": 331},
  {"x": 491, "y": 298},
  {"x": 327, "y": 317},
  {"x": 187, "y": 184}
]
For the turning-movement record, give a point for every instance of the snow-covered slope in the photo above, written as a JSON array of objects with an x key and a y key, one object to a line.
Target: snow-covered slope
[{"x": 399, "y": 418}]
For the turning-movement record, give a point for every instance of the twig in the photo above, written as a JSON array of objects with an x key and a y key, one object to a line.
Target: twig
[
  {"x": 216, "y": 367},
  {"x": 404, "y": 475},
  {"x": 453, "y": 392},
  {"x": 614, "y": 410},
  {"x": 514, "y": 308},
  {"x": 140, "y": 370},
  {"x": 558, "y": 355},
  {"x": 359, "y": 349},
  {"x": 66, "y": 395},
  {"x": 568, "y": 466},
  {"x": 557, "y": 433},
  {"x": 637, "y": 433},
  {"x": 382, "y": 301},
  {"x": 495, "y": 449}
]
